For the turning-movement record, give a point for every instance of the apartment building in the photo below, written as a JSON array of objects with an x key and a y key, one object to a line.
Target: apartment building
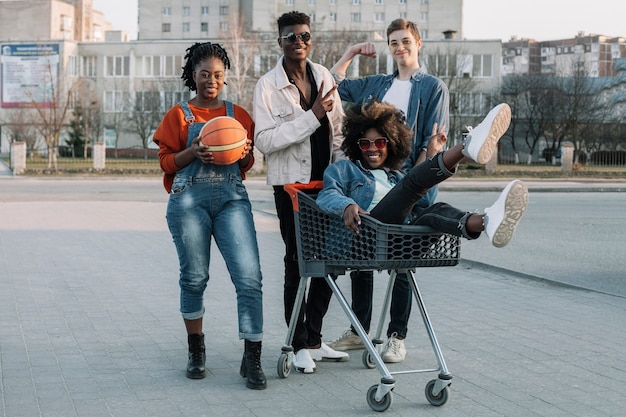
[
  {"x": 200, "y": 19},
  {"x": 599, "y": 54},
  {"x": 72, "y": 20}
]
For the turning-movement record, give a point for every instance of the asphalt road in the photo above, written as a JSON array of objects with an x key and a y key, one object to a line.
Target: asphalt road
[{"x": 569, "y": 235}]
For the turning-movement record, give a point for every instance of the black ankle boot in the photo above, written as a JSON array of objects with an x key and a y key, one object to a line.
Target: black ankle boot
[
  {"x": 251, "y": 366},
  {"x": 197, "y": 356}
]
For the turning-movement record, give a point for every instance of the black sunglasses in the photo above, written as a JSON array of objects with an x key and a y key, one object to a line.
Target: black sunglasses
[
  {"x": 291, "y": 37},
  {"x": 379, "y": 143}
]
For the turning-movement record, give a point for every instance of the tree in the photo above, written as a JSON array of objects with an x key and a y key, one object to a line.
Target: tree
[
  {"x": 450, "y": 64},
  {"x": 146, "y": 114},
  {"x": 242, "y": 47},
  {"x": 52, "y": 108}
]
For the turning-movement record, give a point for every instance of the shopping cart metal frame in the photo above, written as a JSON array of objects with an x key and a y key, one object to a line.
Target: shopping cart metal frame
[{"x": 327, "y": 248}]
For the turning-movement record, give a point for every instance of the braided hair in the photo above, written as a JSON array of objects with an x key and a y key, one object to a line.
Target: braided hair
[
  {"x": 197, "y": 53},
  {"x": 385, "y": 118}
]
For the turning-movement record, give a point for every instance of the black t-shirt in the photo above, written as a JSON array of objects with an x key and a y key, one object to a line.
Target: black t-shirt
[{"x": 320, "y": 139}]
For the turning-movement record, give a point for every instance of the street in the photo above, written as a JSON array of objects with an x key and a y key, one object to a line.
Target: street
[{"x": 571, "y": 237}]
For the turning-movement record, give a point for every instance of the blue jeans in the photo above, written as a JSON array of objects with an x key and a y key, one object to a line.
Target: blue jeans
[{"x": 214, "y": 203}]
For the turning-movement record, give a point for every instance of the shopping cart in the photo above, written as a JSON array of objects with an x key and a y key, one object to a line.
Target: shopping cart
[{"x": 326, "y": 247}]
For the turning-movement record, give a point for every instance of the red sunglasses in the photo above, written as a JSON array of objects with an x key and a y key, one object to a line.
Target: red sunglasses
[{"x": 379, "y": 143}]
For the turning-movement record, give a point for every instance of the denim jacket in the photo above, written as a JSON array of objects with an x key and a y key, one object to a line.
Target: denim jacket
[
  {"x": 283, "y": 128},
  {"x": 429, "y": 103},
  {"x": 347, "y": 182}
]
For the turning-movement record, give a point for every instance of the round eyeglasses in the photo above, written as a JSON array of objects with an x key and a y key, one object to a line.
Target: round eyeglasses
[{"x": 379, "y": 143}]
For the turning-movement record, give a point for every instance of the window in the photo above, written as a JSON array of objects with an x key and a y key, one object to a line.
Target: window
[
  {"x": 379, "y": 17},
  {"x": 117, "y": 66},
  {"x": 173, "y": 97},
  {"x": 204, "y": 27},
  {"x": 356, "y": 1},
  {"x": 424, "y": 17},
  {"x": 166, "y": 27},
  {"x": 167, "y": 11},
  {"x": 98, "y": 35},
  {"x": 82, "y": 66},
  {"x": 151, "y": 66},
  {"x": 67, "y": 27},
  {"x": 402, "y": 1},
  {"x": 204, "y": 10},
  {"x": 173, "y": 65},
  {"x": 116, "y": 101},
  {"x": 332, "y": 2},
  {"x": 186, "y": 27},
  {"x": 223, "y": 10},
  {"x": 482, "y": 66},
  {"x": 355, "y": 17},
  {"x": 332, "y": 17},
  {"x": 311, "y": 2},
  {"x": 288, "y": 2},
  {"x": 379, "y": 1},
  {"x": 224, "y": 26},
  {"x": 186, "y": 11},
  {"x": 424, "y": 1},
  {"x": 147, "y": 101},
  {"x": 312, "y": 17}
]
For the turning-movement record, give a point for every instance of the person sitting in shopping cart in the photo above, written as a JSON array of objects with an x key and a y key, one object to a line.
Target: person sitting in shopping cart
[{"x": 377, "y": 140}]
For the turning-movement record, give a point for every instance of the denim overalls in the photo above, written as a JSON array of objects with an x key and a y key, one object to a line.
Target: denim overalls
[{"x": 210, "y": 200}]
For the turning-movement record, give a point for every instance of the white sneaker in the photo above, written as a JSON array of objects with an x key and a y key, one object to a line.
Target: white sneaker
[
  {"x": 481, "y": 142},
  {"x": 347, "y": 341},
  {"x": 502, "y": 217},
  {"x": 394, "y": 350},
  {"x": 303, "y": 362},
  {"x": 325, "y": 353}
]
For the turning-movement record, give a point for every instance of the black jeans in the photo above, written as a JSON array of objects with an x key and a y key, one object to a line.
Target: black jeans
[
  {"x": 395, "y": 208},
  {"x": 308, "y": 331},
  {"x": 401, "y": 301}
]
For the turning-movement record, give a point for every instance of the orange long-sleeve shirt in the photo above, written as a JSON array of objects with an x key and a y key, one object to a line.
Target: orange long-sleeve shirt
[{"x": 171, "y": 136}]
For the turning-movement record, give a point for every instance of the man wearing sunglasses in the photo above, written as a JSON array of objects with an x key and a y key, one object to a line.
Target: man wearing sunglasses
[
  {"x": 424, "y": 100},
  {"x": 298, "y": 117}
]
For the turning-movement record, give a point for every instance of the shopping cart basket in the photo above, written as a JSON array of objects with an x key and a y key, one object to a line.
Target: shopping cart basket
[{"x": 326, "y": 247}]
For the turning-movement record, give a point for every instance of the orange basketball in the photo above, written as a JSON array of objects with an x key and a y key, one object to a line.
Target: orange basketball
[{"x": 226, "y": 138}]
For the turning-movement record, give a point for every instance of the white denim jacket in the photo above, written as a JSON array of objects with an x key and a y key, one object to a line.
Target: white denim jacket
[{"x": 283, "y": 128}]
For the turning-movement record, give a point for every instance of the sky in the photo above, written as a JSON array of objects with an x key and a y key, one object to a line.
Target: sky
[{"x": 483, "y": 19}]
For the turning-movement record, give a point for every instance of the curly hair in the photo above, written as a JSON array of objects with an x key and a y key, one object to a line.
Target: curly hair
[
  {"x": 197, "y": 53},
  {"x": 293, "y": 18},
  {"x": 385, "y": 118}
]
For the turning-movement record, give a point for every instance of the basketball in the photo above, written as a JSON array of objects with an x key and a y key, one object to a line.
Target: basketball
[{"x": 226, "y": 138}]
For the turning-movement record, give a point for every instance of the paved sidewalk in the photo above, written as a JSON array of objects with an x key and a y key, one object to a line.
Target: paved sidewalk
[{"x": 89, "y": 326}]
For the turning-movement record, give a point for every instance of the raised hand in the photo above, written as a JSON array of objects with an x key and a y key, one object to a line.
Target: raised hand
[{"x": 324, "y": 102}]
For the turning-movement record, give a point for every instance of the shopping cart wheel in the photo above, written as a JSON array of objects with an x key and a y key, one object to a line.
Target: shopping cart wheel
[
  {"x": 284, "y": 366},
  {"x": 439, "y": 399},
  {"x": 368, "y": 362},
  {"x": 381, "y": 405}
]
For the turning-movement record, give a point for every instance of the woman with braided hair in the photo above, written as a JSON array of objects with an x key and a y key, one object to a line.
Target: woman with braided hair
[{"x": 210, "y": 201}]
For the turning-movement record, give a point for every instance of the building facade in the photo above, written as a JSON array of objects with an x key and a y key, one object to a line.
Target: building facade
[
  {"x": 199, "y": 19},
  {"x": 559, "y": 57},
  {"x": 72, "y": 20}
]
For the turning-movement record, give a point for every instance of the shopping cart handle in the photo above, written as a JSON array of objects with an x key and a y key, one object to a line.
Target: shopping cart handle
[{"x": 294, "y": 188}]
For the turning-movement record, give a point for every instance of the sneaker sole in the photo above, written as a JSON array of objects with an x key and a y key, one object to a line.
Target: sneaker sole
[
  {"x": 500, "y": 125},
  {"x": 345, "y": 348},
  {"x": 514, "y": 208},
  {"x": 326, "y": 359}
]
